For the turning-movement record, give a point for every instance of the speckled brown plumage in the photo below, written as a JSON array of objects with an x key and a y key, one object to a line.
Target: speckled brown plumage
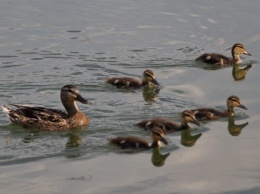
[{"x": 48, "y": 118}]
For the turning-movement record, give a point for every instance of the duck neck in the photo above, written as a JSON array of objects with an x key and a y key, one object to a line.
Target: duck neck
[
  {"x": 71, "y": 108},
  {"x": 155, "y": 144},
  {"x": 236, "y": 58},
  {"x": 230, "y": 111},
  {"x": 184, "y": 125},
  {"x": 144, "y": 83}
]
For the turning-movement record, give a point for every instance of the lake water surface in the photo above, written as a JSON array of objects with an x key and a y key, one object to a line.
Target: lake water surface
[{"x": 47, "y": 44}]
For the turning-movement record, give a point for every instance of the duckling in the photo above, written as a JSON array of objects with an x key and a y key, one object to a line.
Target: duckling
[
  {"x": 212, "y": 114},
  {"x": 132, "y": 83},
  {"x": 170, "y": 126},
  {"x": 217, "y": 59},
  {"x": 51, "y": 119},
  {"x": 140, "y": 143}
]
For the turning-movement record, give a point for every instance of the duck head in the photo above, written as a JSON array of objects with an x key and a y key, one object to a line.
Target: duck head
[{"x": 148, "y": 76}]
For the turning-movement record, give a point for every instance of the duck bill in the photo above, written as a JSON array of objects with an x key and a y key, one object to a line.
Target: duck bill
[
  {"x": 155, "y": 82},
  {"x": 247, "y": 53},
  {"x": 196, "y": 122},
  {"x": 242, "y": 106},
  {"x": 82, "y": 100},
  {"x": 164, "y": 141}
]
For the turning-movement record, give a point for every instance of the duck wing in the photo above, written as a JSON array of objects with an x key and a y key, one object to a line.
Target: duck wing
[
  {"x": 203, "y": 114},
  {"x": 130, "y": 142},
  {"x": 34, "y": 116},
  {"x": 165, "y": 124},
  {"x": 124, "y": 82},
  {"x": 214, "y": 58}
]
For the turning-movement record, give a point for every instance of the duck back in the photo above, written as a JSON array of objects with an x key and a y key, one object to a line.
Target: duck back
[{"x": 124, "y": 82}]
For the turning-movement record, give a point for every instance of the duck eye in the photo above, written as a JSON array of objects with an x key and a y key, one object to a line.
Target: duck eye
[
  {"x": 73, "y": 90},
  {"x": 235, "y": 100},
  {"x": 148, "y": 75}
]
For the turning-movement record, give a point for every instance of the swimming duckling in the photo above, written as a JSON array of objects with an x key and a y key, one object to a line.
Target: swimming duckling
[
  {"x": 140, "y": 143},
  {"x": 168, "y": 125},
  {"x": 51, "y": 119},
  {"x": 217, "y": 59},
  {"x": 211, "y": 114},
  {"x": 132, "y": 83}
]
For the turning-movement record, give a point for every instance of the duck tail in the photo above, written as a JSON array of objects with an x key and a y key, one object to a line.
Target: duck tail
[
  {"x": 6, "y": 109},
  {"x": 106, "y": 79}
]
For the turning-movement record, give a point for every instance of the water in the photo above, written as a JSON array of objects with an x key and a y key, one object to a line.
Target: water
[{"x": 47, "y": 44}]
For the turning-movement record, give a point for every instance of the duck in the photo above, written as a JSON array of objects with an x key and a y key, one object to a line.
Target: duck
[
  {"x": 50, "y": 119},
  {"x": 203, "y": 114},
  {"x": 218, "y": 59},
  {"x": 148, "y": 79},
  {"x": 134, "y": 142},
  {"x": 168, "y": 125}
]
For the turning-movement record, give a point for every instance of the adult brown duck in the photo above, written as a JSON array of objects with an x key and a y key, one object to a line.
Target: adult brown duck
[{"x": 50, "y": 119}]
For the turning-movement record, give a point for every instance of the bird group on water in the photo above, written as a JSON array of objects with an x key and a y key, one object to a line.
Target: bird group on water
[{"x": 50, "y": 119}]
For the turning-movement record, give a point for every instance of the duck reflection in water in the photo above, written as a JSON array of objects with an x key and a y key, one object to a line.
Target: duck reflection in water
[
  {"x": 234, "y": 129},
  {"x": 158, "y": 159},
  {"x": 72, "y": 147},
  {"x": 74, "y": 140},
  {"x": 240, "y": 73},
  {"x": 187, "y": 139},
  {"x": 150, "y": 94}
]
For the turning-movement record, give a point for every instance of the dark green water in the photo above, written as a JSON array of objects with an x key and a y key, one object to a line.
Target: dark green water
[{"x": 47, "y": 44}]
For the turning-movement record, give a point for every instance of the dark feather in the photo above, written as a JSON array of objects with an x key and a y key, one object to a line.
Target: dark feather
[
  {"x": 208, "y": 114},
  {"x": 214, "y": 58},
  {"x": 124, "y": 82},
  {"x": 165, "y": 124},
  {"x": 130, "y": 142}
]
